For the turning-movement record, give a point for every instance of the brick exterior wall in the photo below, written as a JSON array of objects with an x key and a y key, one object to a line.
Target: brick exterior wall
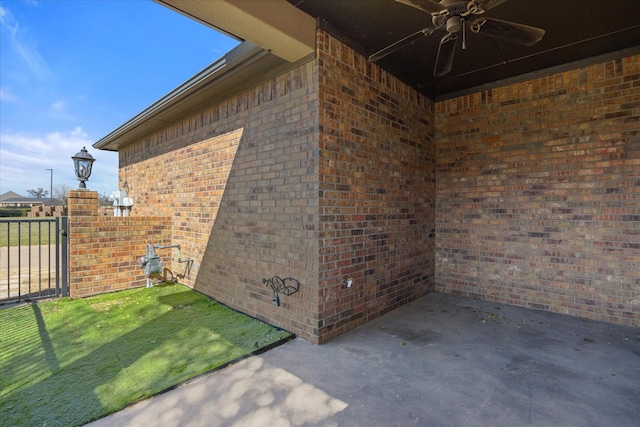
[
  {"x": 262, "y": 185},
  {"x": 104, "y": 251},
  {"x": 377, "y": 189},
  {"x": 329, "y": 172},
  {"x": 539, "y": 193},
  {"x": 182, "y": 173},
  {"x": 240, "y": 182}
]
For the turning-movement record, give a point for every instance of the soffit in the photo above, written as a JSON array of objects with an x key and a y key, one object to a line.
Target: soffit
[
  {"x": 275, "y": 25},
  {"x": 578, "y": 32}
]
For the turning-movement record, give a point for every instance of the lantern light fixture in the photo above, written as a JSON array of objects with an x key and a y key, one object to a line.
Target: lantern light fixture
[{"x": 82, "y": 162}]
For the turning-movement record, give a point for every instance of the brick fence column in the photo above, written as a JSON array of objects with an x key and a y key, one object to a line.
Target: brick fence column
[
  {"x": 82, "y": 203},
  {"x": 82, "y": 212}
]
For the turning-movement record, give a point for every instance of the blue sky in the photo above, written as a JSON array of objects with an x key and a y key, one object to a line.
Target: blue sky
[{"x": 71, "y": 71}]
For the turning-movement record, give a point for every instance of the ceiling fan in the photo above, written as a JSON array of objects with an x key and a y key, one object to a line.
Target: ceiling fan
[{"x": 451, "y": 15}]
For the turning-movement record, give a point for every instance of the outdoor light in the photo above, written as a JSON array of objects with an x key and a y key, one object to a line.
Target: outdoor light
[{"x": 82, "y": 162}]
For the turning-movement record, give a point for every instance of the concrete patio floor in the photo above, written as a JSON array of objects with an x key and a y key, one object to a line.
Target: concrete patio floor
[{"x": 442, "y": 360}]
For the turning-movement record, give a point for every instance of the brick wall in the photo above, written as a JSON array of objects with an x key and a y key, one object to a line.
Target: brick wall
[
  {"x": 539, "y": 193},
  {"x": 329, "y": 172},
  {"x": 256, "y": 187},
  {"x": 377, "y": 189},
  {"x": 240, "y": 182},
  {"x": 82, "y": 203},
  {"x": 182, "y": 173},
  {"x": 40, "y": 211},
  {"x": 104, "y": 251}
]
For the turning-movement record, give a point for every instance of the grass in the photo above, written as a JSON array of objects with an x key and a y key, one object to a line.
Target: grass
[
  {"x": 26, "y": 232},
  {"x": 67, "y": 362}
]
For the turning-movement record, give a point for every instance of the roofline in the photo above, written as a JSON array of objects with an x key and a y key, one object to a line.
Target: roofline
[
  {"x": 276, "y": 25},
  {"x": 240, "y": 56}
]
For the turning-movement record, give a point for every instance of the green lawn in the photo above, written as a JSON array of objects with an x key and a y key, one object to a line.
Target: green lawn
[
  {"x": 26, "y": 232},
  {"x": 67, "y": 362}
]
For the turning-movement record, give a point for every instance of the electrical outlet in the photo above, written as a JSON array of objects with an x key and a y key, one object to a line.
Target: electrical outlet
[{"x": 347, "y": 282}]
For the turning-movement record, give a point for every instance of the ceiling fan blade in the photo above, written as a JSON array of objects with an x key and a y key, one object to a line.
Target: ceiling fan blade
[
  {"x": 446, "y": 50},
  {"x": 429, "y": 6},
  {"x": 400, "y": 44},
  {"x": 488, "y": 4},
  {"x": 510, "y": 31}
]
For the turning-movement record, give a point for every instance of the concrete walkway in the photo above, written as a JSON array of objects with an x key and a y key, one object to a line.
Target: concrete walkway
[
  {"x": 439, "y": 361},
  {"x": 27, "y": 271}
]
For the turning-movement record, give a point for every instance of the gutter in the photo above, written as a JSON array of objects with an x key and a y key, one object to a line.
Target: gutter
[{"x": 241, "y": 56}]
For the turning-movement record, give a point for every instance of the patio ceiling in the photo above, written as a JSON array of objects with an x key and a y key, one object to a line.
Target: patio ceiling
[
  {"x": 576, "y": 31},
  {"x": 280, "y": 34}
]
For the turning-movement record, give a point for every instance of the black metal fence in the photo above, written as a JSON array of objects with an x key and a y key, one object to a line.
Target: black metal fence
[{"x": 33, "y": 259}]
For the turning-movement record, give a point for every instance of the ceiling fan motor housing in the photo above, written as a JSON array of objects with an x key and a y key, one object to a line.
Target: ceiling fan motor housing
[
  {"x": 451, "y": 16},
  {"x": 454, "y": 24},
  {"x": 455, "y": 7}
]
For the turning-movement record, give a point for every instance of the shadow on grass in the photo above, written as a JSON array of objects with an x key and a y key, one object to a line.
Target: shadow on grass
[{"x": 77, "y": 384}]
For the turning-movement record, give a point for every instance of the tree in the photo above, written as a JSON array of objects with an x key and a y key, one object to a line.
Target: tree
[
  {"x": 38, "y": 194},
  {"x": 103, "y": 200},
  {"x": 60, "y": 192}
]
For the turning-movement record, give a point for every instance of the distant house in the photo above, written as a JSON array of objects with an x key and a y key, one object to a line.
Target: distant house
[
  {"x": 12, "y": 199},
  {"x": 7, "y": 196}
]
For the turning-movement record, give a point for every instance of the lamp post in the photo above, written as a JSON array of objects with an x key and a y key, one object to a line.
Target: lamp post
[
  {"x": 82, "y": 162},
  {"x": 51, "y": 188}
]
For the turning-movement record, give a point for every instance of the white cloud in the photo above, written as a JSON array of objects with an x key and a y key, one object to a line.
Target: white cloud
[
  {"x": 59, "y": 110},
  {"x": 58, "y": 105},
  {"x": 78, "y": 132},
  {"x": 7, "y": 96},
  {"x": 25, "y": 157}
]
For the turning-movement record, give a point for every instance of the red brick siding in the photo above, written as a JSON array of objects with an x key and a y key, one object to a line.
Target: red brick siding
[
  {"x": 377, "y": 189},
  {"x": 82, "y": 203},
  {"x": 184, "y": 182},
  {"x": 240, "y": 182},
  {"x": 539, "y": 193},
  {"x": 104, "y": 251}
]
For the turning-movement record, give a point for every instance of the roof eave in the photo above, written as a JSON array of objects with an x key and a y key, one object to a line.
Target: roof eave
[{"x": 227, "y": 76}]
